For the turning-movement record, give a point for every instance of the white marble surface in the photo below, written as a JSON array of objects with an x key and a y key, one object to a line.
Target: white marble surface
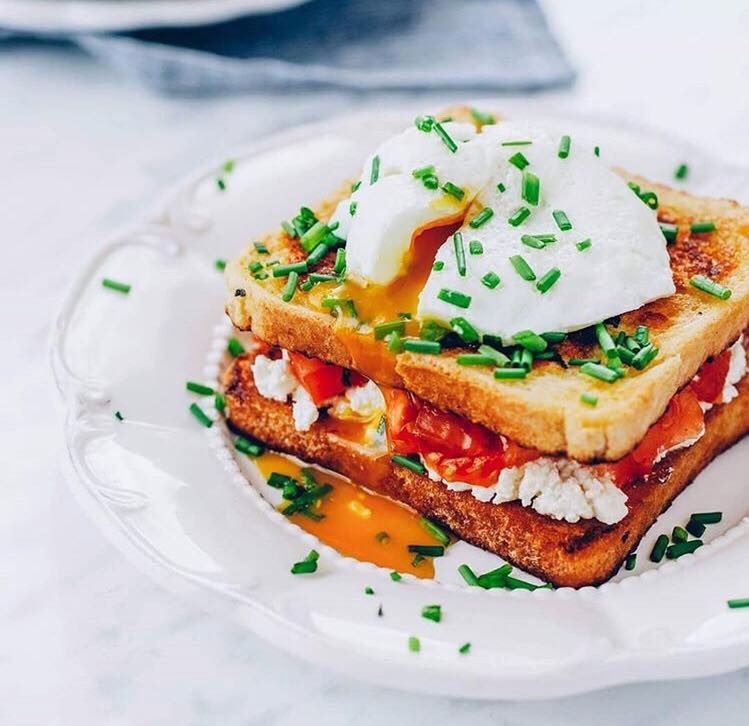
[{"x": 85, "y": 638}]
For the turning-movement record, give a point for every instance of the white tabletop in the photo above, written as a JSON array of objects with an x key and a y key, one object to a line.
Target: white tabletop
[{"x": 85, "y": 638}]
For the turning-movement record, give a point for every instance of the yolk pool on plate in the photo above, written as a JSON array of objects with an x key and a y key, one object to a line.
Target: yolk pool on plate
[{"x": 353, "y": 519}]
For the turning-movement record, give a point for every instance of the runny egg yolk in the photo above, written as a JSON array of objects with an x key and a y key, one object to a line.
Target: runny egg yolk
[{"x": 359, "y": 524}]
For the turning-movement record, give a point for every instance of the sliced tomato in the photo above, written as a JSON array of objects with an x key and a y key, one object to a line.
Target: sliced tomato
[
  {"x": 357, "y": 379},
  {"x": 710, "y": 379},
  {"x": 322, "y": 380},
  {"x": 400, "y": 411}
]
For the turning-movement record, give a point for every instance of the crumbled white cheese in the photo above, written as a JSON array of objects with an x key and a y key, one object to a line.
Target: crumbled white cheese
[
  {"x": 682, "y": 445},
  {"x": 736, "y": 371},
  {"x": 274, "y": 379},
  {"x": 360, "y": 402},
  {"x": 304, "y": 409}
]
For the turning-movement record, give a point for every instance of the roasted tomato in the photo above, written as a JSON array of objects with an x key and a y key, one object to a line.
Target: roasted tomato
[
  {"x": 322, "y": 380},
  {"x": 710, "y": 379}
]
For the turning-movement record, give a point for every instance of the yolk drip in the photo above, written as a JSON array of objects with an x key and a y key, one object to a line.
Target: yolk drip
[{"x": 354, "y": 518}]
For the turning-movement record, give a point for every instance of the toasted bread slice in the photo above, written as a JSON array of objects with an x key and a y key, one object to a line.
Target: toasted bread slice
[
  {"x": 585, "y": 553},
  {"x": 542, "y": 411}
]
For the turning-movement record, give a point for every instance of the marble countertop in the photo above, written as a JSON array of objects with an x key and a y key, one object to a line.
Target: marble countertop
[{"x": 85, "y": 638}]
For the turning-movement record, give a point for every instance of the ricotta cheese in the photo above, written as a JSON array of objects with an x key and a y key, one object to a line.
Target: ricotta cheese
[
  {"x": 360, "y": 402},
  {"x": 736, "y": 371},
  {"x": 304, "y": 410}
]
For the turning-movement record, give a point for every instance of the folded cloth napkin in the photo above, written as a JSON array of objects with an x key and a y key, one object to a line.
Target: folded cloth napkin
[{"x": 497, "y": 45}]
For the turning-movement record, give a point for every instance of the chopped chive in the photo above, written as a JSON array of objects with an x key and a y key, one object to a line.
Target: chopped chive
[
  {"x": 286, "y": 228},
  {"x": 415, "y": 466},
  {"x": 453, "y": 297},
  {"x": 642, "y": 335},
  {"x": 251, "y": 448},
  {"x": 290, "y": 289},
  {"x": 518, "y": 160},
  {"x": 501, "y": 188},
  {"x": 396, "y": 576},
  {"x": 589, "y": 399},
  {"x": 278, "y": 480},
  {"x": 355, "y": 186},
  {"x": 465, "y": 330},
  {"x": 597, "y": 150},
  {"x": 679, "y": 534},
  {"x": 319, "y": 277},
  {"x": 644, "y": 357},
  {"x": 481, "y": 218},
  {"x": 414, "y": 645},
  {"x": 460, "y": 253},
  {"x": 313, "y": 236},
  {"x": 483, "y": 119},
  {"x": 521, "y": 142},
  {"x": 305, "y": 501},
  {"x": 307, "y": 565},
  {"x": 424, "y": 123},
  {"x": 234, "y": 347},
  {"x": 475, "y": 247},
  {"x": 564, "y": 147},
  {"x": 317, "y": 254},
  {"x": 519, "y": 216},
  {"x": 384, "y": 329},
  {"x": 352, "y": 208},
  {"x": 495, "y": 578},
  {"x": 510, "y": 373},
  {"x": 531, "y": 241},
  {"x": 522, "y": 268},
  {"x": 531, "y": 187},
  {"x": 707, "y": 517},
  {"x": 435, "y": 531},
  {"x": 340, "y": 261},
  {"x": 605, "y": 340},
  {"x": 220, "y": 402},
  {"x": 382, "y": 537},
  {"x": 199, "y": 388},
  {"x": 584, "y": 245},
  {"x": 514, "y": 583},
  {"x": 438, "y": 265},
  {"x": 220, "y": 265},
  {"x": 285, "y": 270},
  {"x": 670, "y": 231},
  {"x": 369, "y": 591},
  {"x": 122, "y": 287},
  {"x": 650, "y": 198},
  {"x": 738, "y": 603},
  {"x": 432, "y": 612},
  {"x": 702, "y": 227},
  {"x": 439, "y": 129},
  {"x": 554, "y": 337},
  {"x": 395, "y": 344},
  {"x": 423, "y": 171},
  {"x": 426, "y": 550},
  {"x": 602, "y": 373},
  {"x": 681, "y": 172},
  {"x": 466, "y": 647},
  {"x": 375, "y": 171},
  {"x": 221, "y": 184},
  {"x": 499, "y": 358},
  {"x": 548, "y": 280},
  {"x": 468, "y": 575},
  {"x": 530, "y": 341},
  {"x": 625, "y": 354},
  {"x": 453, "y": 190},
  {"x": 659, "y": 548},
  {"x": 474, "y": 359},
  {"x": 695, "y": 528},
  {"x": 255, "y": 266},
  {"x": 119, "y": 416},
  {"x": 344, "y": 304},
  {"x": 683, "y": 548},
  {"x": 631, "y": 562},
  {"x": 430, "y": 347},
  {"x": 581, "y": 361},
  {"x": 710, "y": 286},
  {"x": 490, "y": 280},
  {"x": 200, "y": 415},
  {"x": 562, "y": 220}
]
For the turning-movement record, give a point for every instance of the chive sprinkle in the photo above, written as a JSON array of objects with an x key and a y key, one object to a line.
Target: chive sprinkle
[
  {"x": 290, "y": 289},
  {"x": 317, "y": 277},
  {"x": 490, "y": 280},
  {"x": 119, "y": 416},
  {"x": 453, "y": 297},
  {"x": 374, "y": 173},
  {"x": 605, "y": 340},
  {"x": 683, "y": 548},
  {"x": 548, "y": 280},
  {"x": 562, "y": 220},
  {"x": 384, "y": 329},
  {"x": 288, "y": 228},
  {"x": 427, "y": 550},
  {"x": 531, "y": 187},
  {"x": 564, "y": 147},
  {"x": 519, "y": 216},
  {"x": 439, "y": 129},
  {"x": 516, "y": 143},
  {"x": 424, "y": 123},
  {"x": 199, "y": 388},
  {"x": 313, "y": 236},
  {"x": 438, "y": 265},
  {"x": 435, "y": 531},
  {"x": 352, "y": 208},
  {"x": 430, "y": 347},
  {"x": 522, "y": 268},
  {"x": 710, "y": 286},
  {"x": 460, "y": 253},
  {"x": 707, "y": 517},
  {"x": 317, "y": 254},
  {"x": 200, "y": 415},
  {"x": 644, "y": 357},
  {"x": 260, "y": 248},
  {"x": 465, "y": 330},
  {"x": 482, "y": 217},
  {"x": 396, "y": 576},
  {"x": 679, "y": 534},
  {"x": 414, "y": 645},
  {"x": 584, "y": 245},
  {"x": 738, "y": 603},
  {"x": 481, "y": 118},
  {"x": 589, "y": 399},
  {"x": 340, "y": 261},
  {"x": 659, "y": 548},
  {"x": 702, "y": 227},
  {"x": 501, "y": 188},
  {"x": 468, "y": 575},
  {"x": 369, "y": 591},
  {"x": 695, "y": 528},
  {"x": 220, "y": 265},
  {"x": 415, "y": 466},
  {"x": 122, "y": 287},
  {"x": 530, "y": 241},
  {"x": 602, "y": 373},
  {"x": 582, "y": 361},
  {"x": 518, "y": 160},
  {"x": 474, "y": 359},
  {"x": 530, "y": 341},
  {"x": 251, "y": 448},
  {"x": 597, "y": 150},
  {"x": 464, "y": 649},
  {"x": 510, "y": 373},
  {"x": 286, "y": 270},
  {"x": 234, "y": 347},
  {"x": 475, "y": 247},
  {"x": 432, "y": 612},
  {"x": 500, "y": 359},
  {"x": 308, "y": 565},
  {"x": 681, "y": 172},
  {"x": 453, "y": 190},
  {"x": 670, "y": 231}
]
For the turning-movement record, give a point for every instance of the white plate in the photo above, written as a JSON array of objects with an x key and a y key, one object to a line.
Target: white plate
[
  {"x": 171, "y": 495},
  {"x": 99, "y": 16}
]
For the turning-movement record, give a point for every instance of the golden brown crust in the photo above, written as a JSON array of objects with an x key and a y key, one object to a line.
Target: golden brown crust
[
  {"x": 585, "y": 553},
  {"x": 544, "y": 410}
]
